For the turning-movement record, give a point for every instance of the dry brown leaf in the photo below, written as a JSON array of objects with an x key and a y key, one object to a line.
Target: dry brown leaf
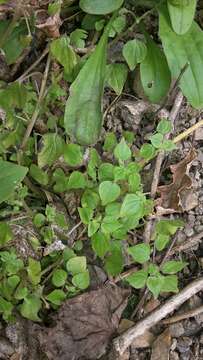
[
  {"x": 161, "y": 346},
  {"x": 49, "y": 25},
  {"x": 179, "y": 195},
  {"x": 85, "y": 324}
]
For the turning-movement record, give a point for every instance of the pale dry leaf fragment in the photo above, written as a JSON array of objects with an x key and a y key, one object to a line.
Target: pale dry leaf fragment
[
  {"x": 161, "y": 346},
  {"x": 48, "y": 24},
  {"x": 178, "y": 196},
  {"x": 85, "y": 324}
]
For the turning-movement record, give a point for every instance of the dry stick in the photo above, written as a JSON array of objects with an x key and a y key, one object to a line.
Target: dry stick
[
  {"x": 24, "y": 75},
  {"x": 186, "y": 315},
  {"x": 188, "y": 244},
  {"x": 122, "y": 342},
  {"x": 187, "y": 132},
  {"x": 37, "y": 108}
]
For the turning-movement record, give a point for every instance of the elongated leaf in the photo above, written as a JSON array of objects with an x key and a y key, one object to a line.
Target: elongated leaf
[
  {"x": 154, "y": 72},
  {"x": 100, "y": 7},
  {"x": 182, "y": 15},
  {"x": 83, "y": 113},
  {"x": 181, "y": 50},
  {"x": 10, "y": 176}
]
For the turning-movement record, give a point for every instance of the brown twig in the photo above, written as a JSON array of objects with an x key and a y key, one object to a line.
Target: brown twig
[
  {"x": 187, "y": 132},
  {"x": 196, "y": 239},
  {"x": 38, "y": 105},
  {"x": 186, "y": 315},
  {"x": 24, "y": 75},
  {"x": 122, "y": 342}
]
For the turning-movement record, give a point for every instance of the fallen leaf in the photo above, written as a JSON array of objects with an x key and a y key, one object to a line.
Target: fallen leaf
[
  {"x": 161, "y": 346},
  {"x": 178, "y": 196},
  {"x": 48, "y": 24},
  {"x": 84, "y": 325},
  {"x": 151, "y": 305}
]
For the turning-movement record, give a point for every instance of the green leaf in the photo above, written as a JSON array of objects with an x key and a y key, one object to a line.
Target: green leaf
[
  {"x": 81, "y": 280},
  {"x": 78, "y": 37},
  {"x": 56, "y": 297},
  {"x": 154, "y": 284},
  {"x": 172, "y": 267},
  {"x": 60, "y": 180},
  {"x": 13, "y": 46},
  {"x": 116, "y": 77},
  {"x": 114, "y": 262},
  {"x": 34, "y": 271},
  {"x": 86, "y": 215},
  {"x": 113, "y": 209},
  {"x": 10, "y": 176},
  {"x": 108, "y": 192},
  {"x": 76, "y": 180},
  {"x": 154, "y": 72},
  {"x": 76, "y": 264},
  {"x": 134, "y": 52},
  {"x": 21, "y": 292},
  {"x": 140, "y": 253},
  {"x": 122, "y": 151},
  {"x": 110, "y": 224},
  {"x": 164, "y": 127},
  {"x": 83, "y": 112},
  {"x": 181, "y": 50},
  {"x": 134, "y": 182},
  {"x": 64, "y": 54},
  {"x": 133, "y": 204},
  {"x": 137, "y": 279},
  {"x": 118, "y": 25},
  {"x": 168, "y": 227},
  {"x": 39, "y": 220},
  {"x": 120, "y": 173},
  {"x": 6, "y": 234},
  {"x": 90, "y": 199},
  {"x": 105, "y": 172},
  {"x": 147, "y": 151},
  {"x": 93, "y": 227},
  {"x": 100, "y": 244},
  {"x": 157, "y": 140},
  {"x": 39, "y": 175},
  {"x": 182, "y": 15},
  {"x": 153, "y": 269},
  {"x": 161, "y": 241},
  {"x": 73, "y": 154},
  {"x": 99, "y": 7},
  {"x": 110, "y": 142},
  {"x": 59, "y": 277},
  {"x": 170, "y": 284},
  {"x": 30, "y": 308},
  {"x": 168, "y": 145},
  {"x": 53, "y": 146},
  {"x": 6, "y": 307}
]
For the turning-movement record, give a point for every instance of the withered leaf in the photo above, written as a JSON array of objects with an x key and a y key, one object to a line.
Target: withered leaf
[
  {"x": 179, "y": 195},
  {"x": 48, "y": 24},
  {"x": 84, "y": 325},
  {"x": 161, "y": 346}
]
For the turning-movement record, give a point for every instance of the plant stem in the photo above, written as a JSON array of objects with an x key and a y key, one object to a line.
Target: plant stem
[{"x": 187, "y": 132}]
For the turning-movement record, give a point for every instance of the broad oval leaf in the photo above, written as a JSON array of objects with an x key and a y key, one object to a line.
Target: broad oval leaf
[
  {"x": 140, "y": 253},
  {"x": 100, "y": 7},
  {"x": 137, "y": 279},
  {"x": 108, "y": 192},
  {"x": 83, "y": 113},
  {"x": 64, "y": 54},
  {"x": 10, "y": 176},
  {"x": 116, "y": 77},
  {"x": 133, "y": 204},
  {"x": 182, "y": 15},
  {"x": 134, "y": 52},
  {"x": 154, "y": 73},
  {"x": 181, "y": 50}
]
